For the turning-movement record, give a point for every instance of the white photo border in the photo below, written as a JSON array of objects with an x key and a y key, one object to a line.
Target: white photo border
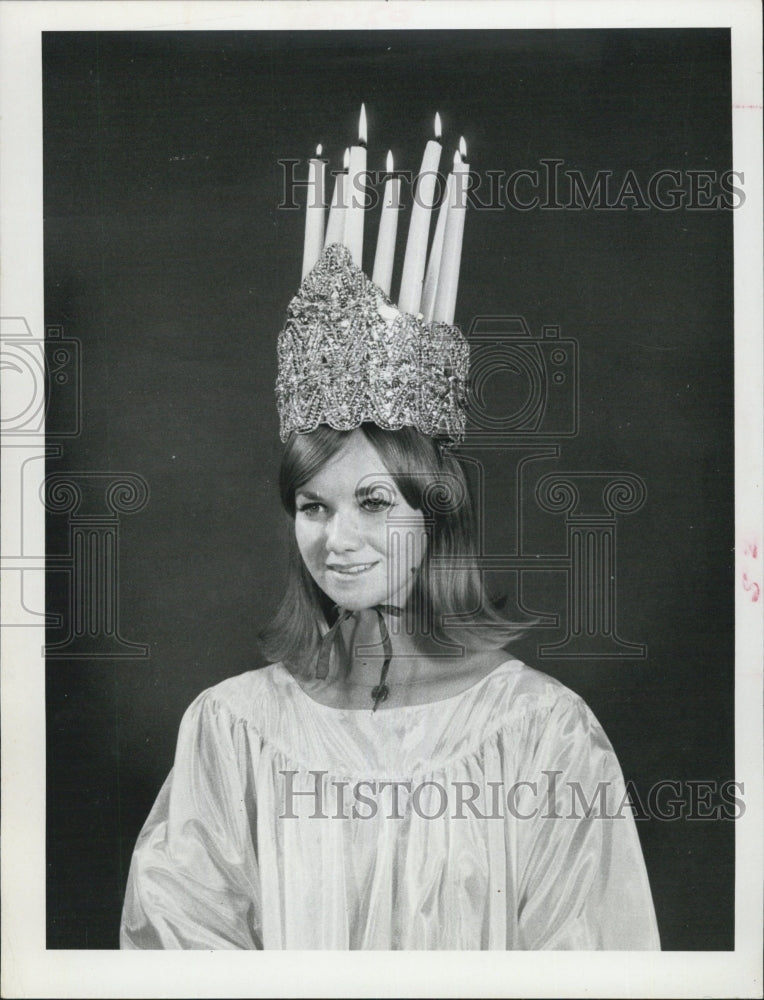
[{"x": 29, "y": 970}]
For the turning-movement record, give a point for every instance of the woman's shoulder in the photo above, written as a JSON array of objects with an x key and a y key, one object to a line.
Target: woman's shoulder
[
  {"x": 246, "y": 696},
  {"x": 537, "y": 705},
  {"x": 545, "y": 711},
  {"x": 520, "y": 686}
]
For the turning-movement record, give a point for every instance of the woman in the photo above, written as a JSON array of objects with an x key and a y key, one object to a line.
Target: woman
[
  {"x": 394, "y": 779},
  {"x": 477, "y": 804}
]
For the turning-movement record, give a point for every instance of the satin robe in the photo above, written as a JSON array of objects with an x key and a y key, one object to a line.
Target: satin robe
[{"x": 494, "y": 819}]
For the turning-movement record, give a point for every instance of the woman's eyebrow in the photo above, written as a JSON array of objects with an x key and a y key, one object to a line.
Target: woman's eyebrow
[
  {"x": 308, "y": 494},
  {"x": 364, "y": 490}
]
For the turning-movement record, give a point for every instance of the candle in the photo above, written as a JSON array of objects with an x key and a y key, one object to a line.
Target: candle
[
  {"x": 314, "y": 213},
  {"x": 336, "y": 224},
  {"x": 388, "y": 230},
  {"x": 419, "y": 227},
  {"x": 436, "y": 251},
  {"x": 448, "y": 279},
  {"x": 353, "y": 231}
]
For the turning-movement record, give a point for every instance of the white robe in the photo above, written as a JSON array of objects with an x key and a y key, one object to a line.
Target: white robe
[{"x": 494, "y": 819}]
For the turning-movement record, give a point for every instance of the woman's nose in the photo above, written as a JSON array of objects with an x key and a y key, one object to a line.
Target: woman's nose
[{"x": 343, "y": 532}]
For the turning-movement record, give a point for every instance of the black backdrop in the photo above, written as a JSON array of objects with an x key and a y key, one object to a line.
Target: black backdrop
[{"x": 168, "y": 260}]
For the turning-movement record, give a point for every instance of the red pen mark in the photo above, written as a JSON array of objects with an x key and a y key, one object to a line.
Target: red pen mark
[
  {"x": 751, "y": 550},
  {"x": 752, "y": 586},
  {"x": 749, "y": 107}
]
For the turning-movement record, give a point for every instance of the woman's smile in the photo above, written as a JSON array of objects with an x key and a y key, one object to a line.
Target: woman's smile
[{"x": 351, "y": 569}]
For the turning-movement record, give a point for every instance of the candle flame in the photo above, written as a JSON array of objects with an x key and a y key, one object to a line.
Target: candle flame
[
  {"x": 457, "y": 158},
  {"x": 389, "y": 161},
  {"x": 438, "y": 129},
  {"x": 362, "y": 125},
  {"x": 462, "y": 148},
  {"x": 319, "y": 149},
  {"x": 346, "y": 159}
]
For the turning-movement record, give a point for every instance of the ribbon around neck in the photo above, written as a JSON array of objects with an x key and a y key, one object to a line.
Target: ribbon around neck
[{"x": 380, "y": 691}]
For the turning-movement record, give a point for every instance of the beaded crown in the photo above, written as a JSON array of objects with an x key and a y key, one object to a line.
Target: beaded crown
[{"x": 348, "y": 355}]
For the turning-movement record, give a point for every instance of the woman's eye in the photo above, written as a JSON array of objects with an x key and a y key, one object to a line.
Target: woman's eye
[
  {"x": 311, "y": 509},
  {"x": 374, "y": 504}
]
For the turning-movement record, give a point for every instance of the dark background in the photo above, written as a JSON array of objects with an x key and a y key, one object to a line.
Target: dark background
[{"x": 167, "y": 258}]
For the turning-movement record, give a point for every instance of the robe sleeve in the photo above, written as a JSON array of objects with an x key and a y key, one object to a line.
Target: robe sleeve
[
  {"x": 194, "y": 880},
  {"x": 581, "y": 876}
]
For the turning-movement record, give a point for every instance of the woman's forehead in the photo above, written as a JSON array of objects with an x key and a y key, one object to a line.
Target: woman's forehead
[{"x": 357, "y": 465}]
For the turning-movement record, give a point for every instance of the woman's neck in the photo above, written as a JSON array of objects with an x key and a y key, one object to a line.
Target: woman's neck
[
  {"x": 421, "y": 669},
  {"x": 361, "y": 660}
]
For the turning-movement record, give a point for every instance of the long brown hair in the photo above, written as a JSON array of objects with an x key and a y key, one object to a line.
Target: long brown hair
[{"x": 448, "y": 592}]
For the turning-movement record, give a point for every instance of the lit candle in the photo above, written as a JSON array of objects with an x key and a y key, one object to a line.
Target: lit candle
[
  {"x": 388, "y": 230},
  {"x": 336, "y": 224},
  {"x": 436, "y": 252},
  {"x": 451, "y": 256},
  {"x": 353, "y": 232},
  {"x": 315, "y": 213},
  {"x": 419, "y": 227}
]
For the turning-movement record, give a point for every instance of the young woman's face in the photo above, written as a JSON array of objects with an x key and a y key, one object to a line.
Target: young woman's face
[{"x": 360, "y": 540}]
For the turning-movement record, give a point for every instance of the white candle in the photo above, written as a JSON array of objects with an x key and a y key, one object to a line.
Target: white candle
[
  {"x": 336, "y": 224},
  {"x": 315, "y": 213},
  {"x": 356, "y": 194},
  {"x": 448, "y": 279},
  {"x": 419, "y": 227},
  {"x": 436, "y": 252},
  {"x": 388, "y": 230}
]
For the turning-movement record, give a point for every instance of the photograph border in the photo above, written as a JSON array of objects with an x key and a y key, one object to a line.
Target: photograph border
[{"x": 28, "y": 968}]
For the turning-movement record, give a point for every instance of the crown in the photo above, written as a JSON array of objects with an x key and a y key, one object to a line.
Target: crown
[{"x": 347, "y": 354}]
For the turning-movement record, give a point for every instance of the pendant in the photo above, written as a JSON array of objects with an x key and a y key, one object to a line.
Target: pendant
[{"x": 379, "y": 693}]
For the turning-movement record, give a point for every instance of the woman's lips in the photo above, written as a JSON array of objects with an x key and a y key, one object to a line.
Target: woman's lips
[{"x": 355, "y": 569}]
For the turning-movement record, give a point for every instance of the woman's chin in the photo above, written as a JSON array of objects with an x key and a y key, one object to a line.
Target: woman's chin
[
  {"x": 355, "y": 594},
  {"x": 355, "y": 602},
  {"x": 363, "y": 602}
]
